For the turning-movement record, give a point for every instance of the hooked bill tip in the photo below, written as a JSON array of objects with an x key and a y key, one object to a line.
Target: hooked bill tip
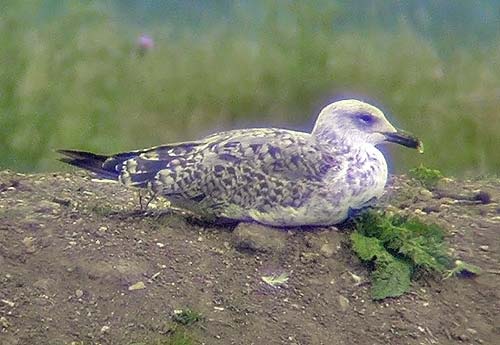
[{"x": 420, "y": 147}]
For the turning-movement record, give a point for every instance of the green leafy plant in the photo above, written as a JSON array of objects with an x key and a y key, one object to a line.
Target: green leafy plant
[
  {"x": 462, "y": 268},
  {"x": 391, "y": 276},
  {"x": 186, "y": 317},
  {"x": 178, "y": 330},
  {"x": 398, "y": 246},
  {"x": 428, "y": 177}
]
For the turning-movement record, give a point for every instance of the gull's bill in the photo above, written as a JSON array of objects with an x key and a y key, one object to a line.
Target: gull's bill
[{"x": 406, "y": 139}]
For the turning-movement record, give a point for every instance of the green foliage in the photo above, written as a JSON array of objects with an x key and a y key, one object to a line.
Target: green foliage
[
  {"x": 76, "y": 80},
  {"x": 398, "y": 246},
  {"x": 428, "y": 177},
  {"x": 178, "y": 332},
  {"x": 186, "y": 317},
  {"x": 462, "y": 268},
  {"x": 391, "y": 277}
]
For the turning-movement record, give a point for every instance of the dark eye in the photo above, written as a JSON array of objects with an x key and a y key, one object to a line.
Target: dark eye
[{"x": 365, "y": 119}]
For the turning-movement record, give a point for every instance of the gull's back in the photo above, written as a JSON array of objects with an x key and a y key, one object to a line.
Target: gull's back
[{"x": 246, "y": 174}]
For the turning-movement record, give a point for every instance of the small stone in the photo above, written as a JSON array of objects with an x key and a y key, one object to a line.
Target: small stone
[
  {"x": 484, "y": 248},
  {"x": 62, "y": 201},
  {"x": 46, "y": 206},
  {"x": 101, "y": 231},
  {"x": 4, "y": 323},
  {"x": 160, "y": 245},
  {"x": 343, "y": 303},
  {"x": 327, "y": 250},
  {"x": 29, "y": 243},
  {"x": 431, "y": 208},
  {"x": 104, "y": 329},
  {"x": 259, "y": 238},
  {"x": 9, "y": 303},
  {"x": 425, "y": 195},
  {"x": 137, "y": 286},
  {"x": 44, "y": 284},
  {"x": 308, "y": 257},
  {"x": 471, "y": 331},
  {"x": 355, "y": 278},
  {"x": 78, "y": 293}
]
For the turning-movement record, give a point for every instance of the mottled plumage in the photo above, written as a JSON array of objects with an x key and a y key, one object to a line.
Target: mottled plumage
[{"x": 273, "y": 176}]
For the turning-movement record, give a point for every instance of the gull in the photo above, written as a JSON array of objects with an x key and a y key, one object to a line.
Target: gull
[{"x": 272, "y": 176}]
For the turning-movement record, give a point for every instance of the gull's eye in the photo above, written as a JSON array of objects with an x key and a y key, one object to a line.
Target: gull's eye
[{"x": 365, "y": 119}]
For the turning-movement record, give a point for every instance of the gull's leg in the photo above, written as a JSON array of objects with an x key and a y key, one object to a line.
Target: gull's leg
[
  {"x": 149, "y": 196},
  {"x": 141, "y": 206},
  {"x": 152, "y": 196}
]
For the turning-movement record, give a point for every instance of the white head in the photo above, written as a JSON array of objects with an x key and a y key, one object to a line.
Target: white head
[{"x": 355, "y": 121}]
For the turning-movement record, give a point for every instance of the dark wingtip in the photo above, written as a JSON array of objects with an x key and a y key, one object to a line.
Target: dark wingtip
[
  {"x": 77, "y": 154},
  {"x": 88, "y": 161}
]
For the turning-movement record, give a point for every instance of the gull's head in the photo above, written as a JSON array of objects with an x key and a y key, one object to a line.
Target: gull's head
[{"x": 358, "y": 122}]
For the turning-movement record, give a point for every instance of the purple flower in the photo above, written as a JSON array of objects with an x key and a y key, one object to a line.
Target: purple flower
[{"x": 145, "y": 43}]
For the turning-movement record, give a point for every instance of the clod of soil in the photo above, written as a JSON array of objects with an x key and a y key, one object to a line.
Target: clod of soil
[
  {"x": 259, "y": 238},
  {"x": 72, "y": 248}
]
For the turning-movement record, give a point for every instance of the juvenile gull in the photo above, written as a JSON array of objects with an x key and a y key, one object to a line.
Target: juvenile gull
[{"x": 273, "y": 176}]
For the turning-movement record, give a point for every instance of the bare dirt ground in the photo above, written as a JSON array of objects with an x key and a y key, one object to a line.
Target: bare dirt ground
[{"x": 70, "y": 248}]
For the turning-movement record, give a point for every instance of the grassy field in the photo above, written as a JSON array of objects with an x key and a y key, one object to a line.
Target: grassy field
[{"x": 78, "y": 81}]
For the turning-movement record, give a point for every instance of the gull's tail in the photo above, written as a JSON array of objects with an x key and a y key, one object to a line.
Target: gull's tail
[
  {"x": 103, "y": 166},
  {"x": 135, "y": 168}
]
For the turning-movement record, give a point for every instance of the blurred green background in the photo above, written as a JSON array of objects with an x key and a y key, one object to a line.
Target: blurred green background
[{"x": 73, "y": 76}]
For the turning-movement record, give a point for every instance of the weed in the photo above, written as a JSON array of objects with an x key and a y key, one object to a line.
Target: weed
[
  {"x": 186, "y": 317},
  {"x": 398, "y": 246},
  {"x": 462, "y": 268},
  {"x": 428, "y": 177}
]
